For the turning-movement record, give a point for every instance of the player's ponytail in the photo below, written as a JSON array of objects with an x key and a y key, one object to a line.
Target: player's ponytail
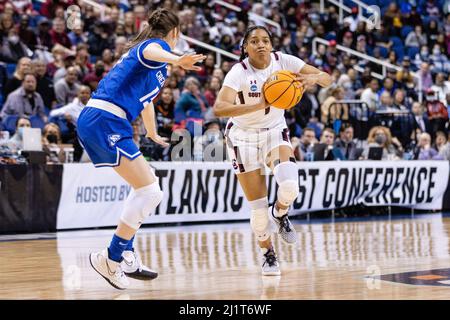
[
  {"x": 245, "y": 38},
  {"x": 159, "y": 24}
]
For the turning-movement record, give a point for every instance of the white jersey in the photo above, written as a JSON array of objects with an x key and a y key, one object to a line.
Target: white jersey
[{"x": 247, "y": 81}]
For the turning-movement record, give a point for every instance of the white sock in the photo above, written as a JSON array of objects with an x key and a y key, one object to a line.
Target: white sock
[{"x": 279, "y": 212}]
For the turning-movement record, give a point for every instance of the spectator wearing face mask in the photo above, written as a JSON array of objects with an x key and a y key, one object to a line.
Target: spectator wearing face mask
[
  {"x": 422, "y": 56},
  {"x": 12, "y": 48},
  {"x": 425, "y": 150},
  {"x": 16, "y": 142},
  {"x": 51, "y": 143},
  {"x": 380, "y": 136}
]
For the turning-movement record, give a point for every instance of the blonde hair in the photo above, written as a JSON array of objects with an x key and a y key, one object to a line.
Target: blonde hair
[
  {"x": 49, "y": 126},
  {"x": 386, "y": 131}
]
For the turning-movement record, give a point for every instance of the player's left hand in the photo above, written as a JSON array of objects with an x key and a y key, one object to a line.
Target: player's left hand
[{"x": 159, "y": 140}]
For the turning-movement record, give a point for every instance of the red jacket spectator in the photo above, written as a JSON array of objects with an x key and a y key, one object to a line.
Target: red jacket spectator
[
  {"x": 436, "y": 109},
  {"x": 59, "y": 35},
  {"x": 48, "y": 8}
]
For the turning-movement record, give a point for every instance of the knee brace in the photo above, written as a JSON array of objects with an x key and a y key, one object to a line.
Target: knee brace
[
  {"x": 140, "y": 203},
  {"x": 259, "y": 220},
  {"x": 286, "y": 175},
  {"x": 260, "y": 224}
]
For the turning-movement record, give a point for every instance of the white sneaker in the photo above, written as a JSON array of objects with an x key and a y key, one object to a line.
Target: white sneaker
[
  {"x": 134, "y": 268},
  {"x": 270, "y": 266},
  {"x": 284, "y": 227},
  {"x": 109, "y": 269}
]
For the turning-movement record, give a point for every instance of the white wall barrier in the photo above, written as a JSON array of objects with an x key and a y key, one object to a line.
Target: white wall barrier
[{"x": 209, "y": 191}]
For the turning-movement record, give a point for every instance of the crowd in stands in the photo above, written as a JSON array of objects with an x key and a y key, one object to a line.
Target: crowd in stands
[{"x": 49, "y": 68}]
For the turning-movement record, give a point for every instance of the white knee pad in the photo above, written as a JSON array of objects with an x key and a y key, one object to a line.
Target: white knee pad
[
  {"x": 286, "y": 175},
  {"x": 260, "y": 224},
  {"x": 140, "y": 203}
]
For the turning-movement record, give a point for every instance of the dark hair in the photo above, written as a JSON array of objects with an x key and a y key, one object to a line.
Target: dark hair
[
  {"x": 29, "y": 74},
  {"x": 441, "y": 133},
  {"x": 160, "y": 23},
  {"x": 328, "y": 130},
  {"x": 345, "y": 126},
  {"x": 22, "y": 117},
  {"x": 247, "y": 34},
  {"x": 309, "y": 129}
]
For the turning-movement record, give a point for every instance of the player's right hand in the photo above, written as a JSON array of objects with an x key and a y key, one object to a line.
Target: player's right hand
[
  {"x": 188, "y": 61},
  {"x": 159, "y": 140}
]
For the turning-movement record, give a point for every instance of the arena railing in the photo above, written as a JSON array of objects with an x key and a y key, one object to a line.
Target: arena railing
[
  {"x": 250, "y": 14},
  {"x": 219, "y": 52},
  {"x": 98, "y": 6},
  {"x": 385, "y": 65},
  {"x": 342, "y": 7}
]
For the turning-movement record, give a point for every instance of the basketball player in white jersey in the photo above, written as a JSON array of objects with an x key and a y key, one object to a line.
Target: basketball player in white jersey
[{"x": 257, "y": 135}]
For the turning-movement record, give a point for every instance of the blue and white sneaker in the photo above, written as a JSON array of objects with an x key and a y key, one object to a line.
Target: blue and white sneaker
[
  {"x": 109, "y": 269},
  {"x": 284, "y": 227}
]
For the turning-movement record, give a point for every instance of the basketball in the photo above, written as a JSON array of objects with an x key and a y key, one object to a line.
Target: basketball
[{"x": 282, "y": 91}]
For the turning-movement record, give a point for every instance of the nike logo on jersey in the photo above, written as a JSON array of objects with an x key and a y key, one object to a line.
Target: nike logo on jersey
[{"x": 113, "y": 138}]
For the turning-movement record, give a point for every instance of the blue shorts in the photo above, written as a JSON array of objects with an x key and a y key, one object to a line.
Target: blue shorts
[{"x": 106, "y": 137}]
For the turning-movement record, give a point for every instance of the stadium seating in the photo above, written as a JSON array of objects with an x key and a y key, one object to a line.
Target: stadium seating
[{"x": 9, "y": 123}]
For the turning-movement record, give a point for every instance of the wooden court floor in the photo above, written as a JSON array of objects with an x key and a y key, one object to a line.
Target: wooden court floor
[{"x": 340, "y": 260}]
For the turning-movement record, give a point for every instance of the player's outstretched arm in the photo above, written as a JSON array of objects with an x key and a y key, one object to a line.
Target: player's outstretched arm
[
  {"x": 149, "y": 119},
  {"x": 310, "y": 75},
  {"x": 225, "y": 106},
  {"x": 156, "y": 53}
]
